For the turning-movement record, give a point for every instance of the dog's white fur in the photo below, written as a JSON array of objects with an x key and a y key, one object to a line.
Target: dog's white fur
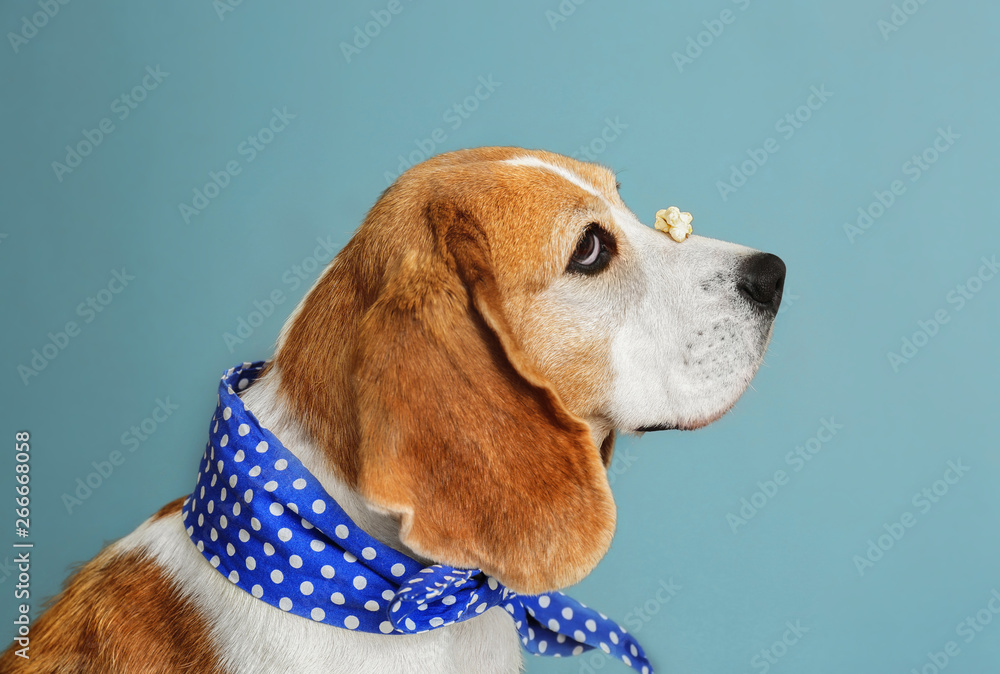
[{"x": 684, "y": 348}]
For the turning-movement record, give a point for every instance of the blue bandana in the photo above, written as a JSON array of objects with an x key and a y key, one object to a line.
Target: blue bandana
[{"x": 263, "y": 521}]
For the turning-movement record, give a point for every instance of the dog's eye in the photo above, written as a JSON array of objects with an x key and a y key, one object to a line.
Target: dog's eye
[{"x": 593, "y": 251}]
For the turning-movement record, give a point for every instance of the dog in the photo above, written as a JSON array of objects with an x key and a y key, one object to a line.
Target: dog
[{"x": 454, "y": 380}]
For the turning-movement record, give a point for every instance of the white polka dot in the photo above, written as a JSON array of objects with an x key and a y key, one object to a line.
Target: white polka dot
[
  {"x": 327, "y": 571},
  {"x": 215, "y": 534},
  {"x": 410, "y": 625},
  {"x": 299, "y": 483},
  {"x": 255, "y": 471},
  {"x": 276, "y": 509},
  {"x": 226, "y": 413},
  {"x": 214, "y": 561},
  {"x": 232, "y": 481},
  {"x": 230, "y": 550},
  {"x": 223, "y": 521},
  {"x": 614, "y": 638},
  {"x": 635, "y": 652},
  {"x": 626, "y": 660},
  {"x": 239, "y": 457},
  {"x": 285, "y": 604},
  {"x": 211, "y": 506},
  {"x": 270, "y": 486},
  {"x": 578, "y": 650},
  {"x": 257, "y": 591},
  {"x": 360, "y": 582},
  {"x": 319, "y": 506},
  {"x": 337, "y": 598},
  {"x": 371, "y": 605},
  {"x": 368, "y": 553},
  {"x": 341, "y": 531},
  {"x": 255, "y": 523},
  {"x": 201, "y": 520},
  {"x": 482, "y": 607},
  {"x": 317, "y": 545},
  {"x": 294, "y": 508},
  {"x": 223, "y": 441},
  {"x": 605, "y": 647},
  {"x": 234, "y": 576},
  {"x": 591, "y": 625},
  {"x": 436, "y": 621},
  {"x": 542, "y": 645},
  {"x": 492, "y": 582},
  {"x": 277, "y": 576},
  {"x": 243, "y": 429},
  {"x": 579, "y": 636},
  {"x": 248, "y": 495},
  {"x": 202, "y": 495},
  {"x": 268, "y": 549},
  {"x": 349, "y": 558},
  {"x": 201, "y": 546},
  {"x": 567, "y": 613},
  {"x": 295, "y": 562},
  {"x": 236, "y": 509},
  {"x": 251, "y": 563},
  {"x": 305, "y": 525},
  {"x": 449, "y": 600},
  {"x": 398, "y": 570},
  {"x": 385, "y": 627},
  {"x": 280, "y": 464},
  {"x": 306, "y": 588},
  {"x": 243, "y": 383},
  {"x": 285, "y": 534},
  {"x": 554, "y": 625},
  {"x": 317, "y": 614},
  {"x": 388, "y": 595},
  {"x": 244, "y": 535},
  {"x": 262, "y": 446},
  {"x": 544, "y": 601},
  {"x": 350, "y": 622}
]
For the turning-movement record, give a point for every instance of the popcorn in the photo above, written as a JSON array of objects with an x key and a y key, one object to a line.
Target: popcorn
[{"x": 673, "y": 222}]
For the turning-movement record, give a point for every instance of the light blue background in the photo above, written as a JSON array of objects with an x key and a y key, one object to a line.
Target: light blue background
[{"x": 847, "y": 304}]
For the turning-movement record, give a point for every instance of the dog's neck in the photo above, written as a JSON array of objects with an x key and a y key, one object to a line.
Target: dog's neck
[{"x": 265, "y": 401}]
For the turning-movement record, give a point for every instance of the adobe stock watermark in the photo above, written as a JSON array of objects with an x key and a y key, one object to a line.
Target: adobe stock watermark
[
  {"x": 121, "y": 107},
  {"x": 765, "y": 658},
  {"x": 914, "y": 168},
  {"x": 697, "y": 44},
  {"x": 923, "y": 501},
  {"x": 363, "y": 34},
  {"x": 293, "y": 277},
  {"x": 898, "y": 17},
  {"x": 132, "y": 440},
  {"x": 968, "y": 630},
  {"x": 223, "y": 7},
  {"x": 32, "y": 23},
  {"x": 634, "y": 621},
  {"x": 786, "y": 125},
  {"x": 611, "y": 132},
  {"x": 453, "y": 118},
  {"x": 562, "y": 12},
  {"x": 88, "y": 310},
  {"x": 796, "y": 460},
  {"x": 249, "y": 148},
  {"x": 959, "y": 296}
]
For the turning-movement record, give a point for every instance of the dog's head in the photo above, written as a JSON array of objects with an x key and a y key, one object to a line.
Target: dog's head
[{"x": 465, "y": 360}]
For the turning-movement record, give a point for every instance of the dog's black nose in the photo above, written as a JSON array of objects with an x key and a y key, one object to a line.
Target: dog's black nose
[{"x": 760, "y": 278}]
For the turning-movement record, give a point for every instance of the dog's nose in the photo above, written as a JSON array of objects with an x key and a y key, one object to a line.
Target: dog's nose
[{"x": 760, "y": 278}]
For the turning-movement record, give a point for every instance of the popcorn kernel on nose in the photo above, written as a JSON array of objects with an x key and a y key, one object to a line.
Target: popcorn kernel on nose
[{"x": 673, "y": 222}]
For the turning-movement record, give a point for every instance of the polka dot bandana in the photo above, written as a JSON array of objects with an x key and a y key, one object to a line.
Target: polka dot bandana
[{"x": 263, "y": 521}]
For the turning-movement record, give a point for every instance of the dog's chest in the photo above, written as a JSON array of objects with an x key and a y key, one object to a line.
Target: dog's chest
[{"x": 251, "y": 637}]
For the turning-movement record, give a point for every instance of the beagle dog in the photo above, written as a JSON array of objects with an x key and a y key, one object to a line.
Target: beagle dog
[{"x": 454, "y": 380}]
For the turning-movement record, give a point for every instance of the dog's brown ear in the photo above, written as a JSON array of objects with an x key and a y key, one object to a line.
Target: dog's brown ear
[{"x": 461, "y": 437}]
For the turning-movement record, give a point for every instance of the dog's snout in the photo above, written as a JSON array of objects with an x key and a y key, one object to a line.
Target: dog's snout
[{"x": 761, "y": 278}]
